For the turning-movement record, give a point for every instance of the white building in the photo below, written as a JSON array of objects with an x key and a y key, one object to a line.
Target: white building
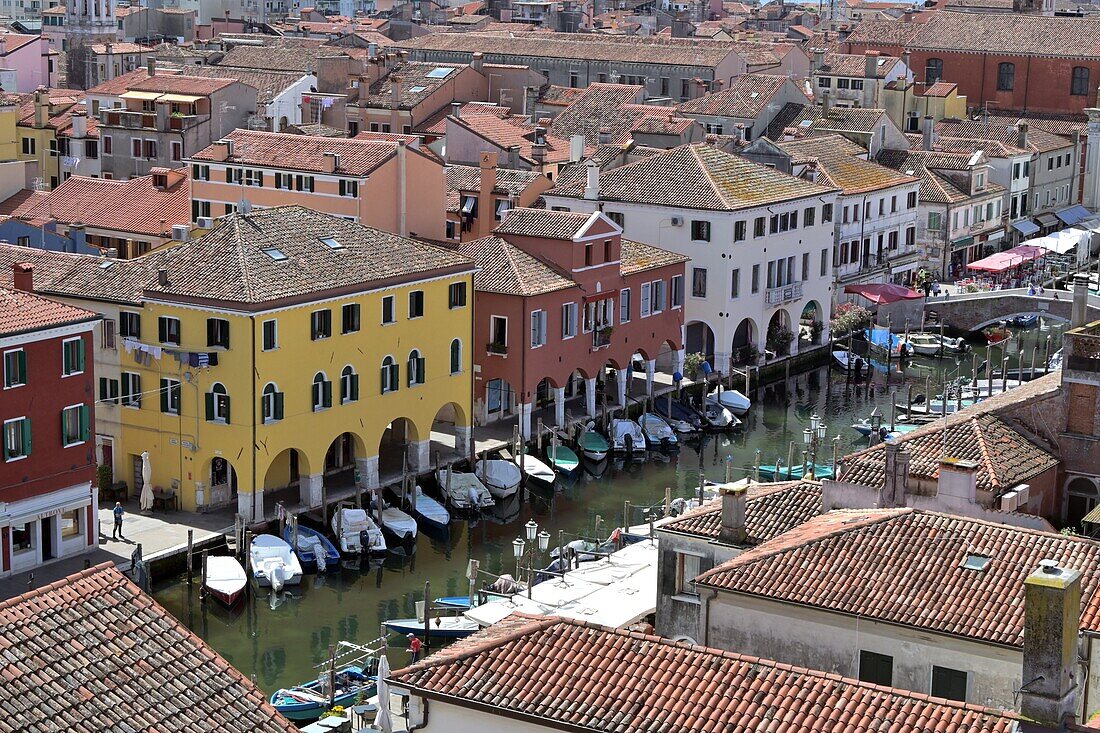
[{"x": 760, "y": 242}]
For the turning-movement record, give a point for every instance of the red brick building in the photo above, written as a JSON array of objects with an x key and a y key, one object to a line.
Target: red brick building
[
  {"x": 47, "y": 503},
  {"x": 1011, "y": 61},
  {"x": 564, "y": 305}
]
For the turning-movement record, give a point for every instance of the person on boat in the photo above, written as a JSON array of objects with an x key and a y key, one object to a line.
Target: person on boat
[{"x": 415, "y": 645}]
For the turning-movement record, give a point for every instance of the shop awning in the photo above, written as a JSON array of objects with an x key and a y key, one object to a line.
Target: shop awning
[
  {"x": 1048, "y": 220},
  {"x": 882, "y": 293},
  {"x": 144, "y": 96},
  {"x": 1073, "y": 214},
  {"x": 180, "y": 98},
  {"x": 963, "y": 243},
  {"x": 1014, "y": 257},
  {"x": 1063, "y": 241},
  {"x": 1025, "y": 226}
]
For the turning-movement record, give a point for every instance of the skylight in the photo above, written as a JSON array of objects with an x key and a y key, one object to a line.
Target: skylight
[
  {"x": 975, "y": 562},
  {"x": 805, "y": 123},
  {"x": 275, "y": 253},
  {"x": 332, "y": 243},
  {"x": 440, "y": 72},
  {"x": 106, "y": 265},
  {"x": 417, "y": 90}
]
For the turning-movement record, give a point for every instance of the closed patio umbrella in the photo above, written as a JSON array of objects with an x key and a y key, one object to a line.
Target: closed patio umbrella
[
  {"x": 383, "y": 720},
  {"x": 146, "y": 483}
]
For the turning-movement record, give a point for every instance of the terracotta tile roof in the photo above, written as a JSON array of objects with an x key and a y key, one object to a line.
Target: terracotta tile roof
[
  {"x": 513, "y": 130},
  {"x": 836, "y": 158},
  {"x": 15, "y": 41},
  {"x": 772, "y": 509},
  {"x": 467, "y": 178},
  {"x": 542, "y": 223},
  {"x": 93, "y": 652},
  {"x": 905, "y": 566},
  {"x": 133, "y": 206},
  {"x": 639, "y": 257},
  {"x": 855, "y": 65},
  {"x": 805, "y": 120},
  {"x": 599, "y": 107},
  {"x": 560, "y": 96},
  {"x": 277, "y": 255},
  {"x": 180, "y": 84},
  {"x": 120, "y": 48},
  {"x": 82, "y": 276},
  {"x": 696, "y": 176},
  {"x": 1039, "y": 141},
  {"x": 60, "y": 99},
  {"x": 934, "y": 188},
  {"x": 563, "y": 673},
  {"x": 940, "y": 89},
  {"x": 436, "y": 124},
  {"x": 509, "y": 270},
  {"x": 273, "y": 58},
  {"x": 303, "y": 152},
  {"x": 269, "y": 84},
  {"x": 120, "y": 84},
  {"x": 746, "y": 96},
  {"x": 21, "y": 312},
  {"x": 417, "y": 84},
  {"x": 1063, "y": 125}
]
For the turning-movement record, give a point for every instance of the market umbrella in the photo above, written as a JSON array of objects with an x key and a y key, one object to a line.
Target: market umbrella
[
  {"x": 146, "y": 483},
  {"x": 383, "y": 719},
  {"x": 1001, "y": 261},
  {"x": 883, "y": 293}
]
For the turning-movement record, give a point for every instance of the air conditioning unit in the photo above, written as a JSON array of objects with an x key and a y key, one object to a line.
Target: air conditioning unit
[
  {"x": 1009, "y": 501},
  {"x": 181, "y": 232},
  {"x": 677, "y": 221},
  {"x": 1023, "y": 494},
  {"x": 204, "y": 222}
]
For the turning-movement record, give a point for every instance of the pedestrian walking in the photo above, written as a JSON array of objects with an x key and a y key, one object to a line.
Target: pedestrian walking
[
  {"x": 118, "y": 512},
  {"x": 936, "y": 288},
  {"x": 415, "y": 645}
]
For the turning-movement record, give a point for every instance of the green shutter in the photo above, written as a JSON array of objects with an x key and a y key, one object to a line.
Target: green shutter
[
  {"x": 209, "y": 405},
  {"x": 162, "y": 329},
  {"x": 164, "y": 395},
  {"x": 227, "y": 409},
  {"x": 354, "y": 387},
  {"x": 66, "y": 359},
  {"x": 85, "y": 427},
  {"x": 326, "y": 393},
  {"x": 22, "y": 360},
  {"x": 79, "y": 355},
  {"x": 210, "y": 336},
  {"x": 420, "y": 374},
  {"x": 103, "y": 393},
  {"x": 315, "y": 394},
  {"x": 395, "y": 380},
  {"x": 278, "y": 405},
  {"x": 384, "y": 374},
  {"x": 65, "y": 437},
  {"x": 26, "y": 436}
]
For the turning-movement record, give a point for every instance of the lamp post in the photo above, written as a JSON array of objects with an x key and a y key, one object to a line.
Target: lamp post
[
  {"x": 812, "y": 437},
  {"x": 536, "y": 541}
]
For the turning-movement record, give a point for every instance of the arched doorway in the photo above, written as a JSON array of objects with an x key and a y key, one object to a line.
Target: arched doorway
[
  {"x": 284, "y": 477},
  {"x": 811, "y": 324},
  {"x": 699, "y": 338},
  {"x": 744, "y": 348},
  {"x": 1083, "y": 494},
  {"x": 451, "y": 431},
  {"x": 342, "y": 452},
  {"x": 398, "y": 439},
  {"x": 221, "y": 477},
  {"x": 780, "y": 336}
]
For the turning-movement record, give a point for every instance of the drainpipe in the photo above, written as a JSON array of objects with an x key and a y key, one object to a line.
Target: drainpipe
[{"x": 252, "y": 320}]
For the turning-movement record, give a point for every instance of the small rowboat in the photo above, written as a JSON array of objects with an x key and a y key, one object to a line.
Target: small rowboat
[
  {"x": 537, "y": 471},
  {"x": 315, "y": 551},
  {"x": 399, "y": 524},
  {"x": 308, "y": 701},
  {"x": 792, "y": 473},
  {"x": 225, "y": 579},
  {"x": 465, "y": 491},
  {"x": 733, "y": 401},
  {"x": 501, "y": 477},
  {"x": 453, "y": 601},
  {"x": 430, "y": 512},
  {"x": 594, "y": 446},
  {"x": 443, "y": 627},
  {"x": 563, "y": 459}
]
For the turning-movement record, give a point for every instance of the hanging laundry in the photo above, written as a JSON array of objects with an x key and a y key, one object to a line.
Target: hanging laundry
[
  {"x": 192, "y": 359},
  {"x": 203, "y": 359}
]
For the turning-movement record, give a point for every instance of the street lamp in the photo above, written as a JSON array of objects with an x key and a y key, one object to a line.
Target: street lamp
[
  {"x": 812, "y": 436},
  {"x": 518, "y": 547},
  {"x": 523, "y": 549}
]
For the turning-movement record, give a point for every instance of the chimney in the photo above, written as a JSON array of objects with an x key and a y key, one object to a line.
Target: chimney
[
  {"x": 331, "y": 163},
  {"x": 1021, "y": 135},
  {"x": 538, "y": 154},
  {"x": 740, "y": 127},
  {"x": 151, "y": 66},
  {"x": 897, "y": 476},
  {"x": 826, "y": 103},
  {"x": 1052, "y": 617},
  {"x": 228, "y": 148},
  {"x": 907, "y": 58},
  {"x": 926, "y": 133},
  {"x": 456, "y": 109},
  {"x": 1079, "y": 311},
  {"x": 870, "y": 64},
  {"x": 372, "y": 50},
  {"x": 487, "y": 178},
  {"x": 23, "y": 276},
  {"x": 958, "y": 482},
  {"x": 41, "y": 108},
  {"x": 576, "y": 148},
  {"x": 734, "y": 509},
  {"x": 513, "y": 157},
  {"x": 162, "y": 277},
  {"x": 819, "y": 59},
  {"x": 478, "y": 61},
  {"x": 540, "y": 135},
  {"x": 80, "y": 124},
  {"x": 592, "y": 190},
  {"x": 395, "y": 93},
  {"x": 110, "y": 48},
  {"x": 604, "y": 136}
]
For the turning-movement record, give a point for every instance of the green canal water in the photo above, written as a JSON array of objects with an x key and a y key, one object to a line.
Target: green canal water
[{"x": 279, "y": 640}]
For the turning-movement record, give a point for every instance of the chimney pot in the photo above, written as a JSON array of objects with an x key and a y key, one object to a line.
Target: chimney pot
[
  {"x": 576, "y": 148},
  {"x": 826, "y": 103},
  {"x": 162, "y": 277},
  {"x": 23, "y": 276},
  {"x": 151, "y": 66},
  {"x": 456, "y": 109},
  {"x": 734, "y": 510},
  {"x": 592, "y": 190},
  {"x": 1079, "y": 310},
  {"x": 1021, "y": 135},
  {"x": 927, "y": 133}
]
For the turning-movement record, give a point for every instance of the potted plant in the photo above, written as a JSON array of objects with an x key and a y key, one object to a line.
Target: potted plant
[
  {"x": 104, "y": 476},
  {"x": 816, "y": 328},
  {"x": 779, "y": 338},
  {"x": 692, "y": 363}
]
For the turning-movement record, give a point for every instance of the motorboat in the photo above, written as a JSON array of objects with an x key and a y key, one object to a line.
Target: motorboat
[
  {"x": 733, "y": 401},
  {"x": 847, "y": 361},
  {"x": 1025, "y": 320},
  {"x": 679, "y": 416},
  {"x": 463, "y": 491},
  {"x": 442, "y": 627},
  {"x": 562, "y": 458},
  {"x": 273, "y": 564},
  {"x": 658, "y": 433},
  {"x": 593, "y": 445},
  {"x": 537, "y": 471},
  {"x": 462, "y": 602},
  {"x": 780, "y": 472},
  {"x": 430, "y": 511},
  {"x": 932, "y": 344},
  {"x": 398, "y": 523},
  {"x": 315, "y": 551},
  {"x": 718, "y": 416},
  {"x": 309, "y": 700},
  {"x": 356, "y": 533},
  {"x": 626, "y": 436},
  {"x": 501, "y": 477},
  {"x": 225, "y": 579},
  {"x": 864, "y": 428}
]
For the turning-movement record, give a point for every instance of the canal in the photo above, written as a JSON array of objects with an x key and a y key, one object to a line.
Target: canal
[{"x": 279, "y": 640}]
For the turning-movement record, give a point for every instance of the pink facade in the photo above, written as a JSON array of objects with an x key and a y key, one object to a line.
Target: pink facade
[{"x": 35, "y": 65}]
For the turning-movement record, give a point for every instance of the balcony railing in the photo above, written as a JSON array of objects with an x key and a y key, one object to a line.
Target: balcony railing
[
  {"x": 496, "y": 348},
  {"x": 785, "y": 294},
  {"x": 601, "y": 338},
  {"x": 137, "y": 120}
]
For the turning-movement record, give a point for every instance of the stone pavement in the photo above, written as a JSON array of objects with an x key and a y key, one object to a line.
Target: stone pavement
[{"x": 158, "y": 533}]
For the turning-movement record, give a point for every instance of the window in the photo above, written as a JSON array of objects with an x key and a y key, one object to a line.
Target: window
[
  {"x": 825, "y": 82},
  {"x": 72, "y": 356},
  {"x": 321, "y": 392},
  {"x": 456, "y": 356},
  {"x": 657, "y": 296},
  {"x": 568, "y": 320},
  {"x": 538, "y": 328},
  {"x": 758, "y": 227},
  {"x": 168, "y": 330},
  {"x": 150, "y": 149},
  {"x": 72, "y": 524},
  {"x": 349, "y": 317},
  {"x": 1079, "y": 82},
  {"x": 643, "y": 306},
  {"x": 29, "y": 146},
  {"x": 700, "y": 231},
  {"x": 501, "y": 208},
  {"x": 608, "y": 251},
  {"x": 948, "y": 683},
  {"x": 876, "y": 668},
  {"x": 107, "y": 145},
  {"x": 200, "y": 172},
  {"x": 842, "y": 84},
  {"x": 131, "y": 389},
  {"x": 388, "y": 315},
  {"x": 271, "y": 335},
  {"x": 177, "y": 150},
  {"x": 320, "y": 324},
  {"x": 271, "y": 403},
  {"x": 698, "y": 282},
  {"x": 170, "y": 396},
  {"x": 416, "y": 304},
  {"x": 677, "y": 291},
  {"x": 349, "y": 188},
  {"x": 687, "y": 569},
  {"x": 217, "y": 404},
  {"x": 589, "y": 255},
  {"x": 911, "y": 200},
  {"x": 806, "y": 264},
  {"x": 199, "y": 209},
  {"x": 74, "y": 425},
  {"x": 456, "y": 295},
  {"x": 416, "y": 368},
  {"x": 17, "y": 438},
  {"x": 824, "y": 261},
  {"x": 808, "y": 216},
  {"x": 129, "y": 324},
  {"x": 1006, "y": 77},
  {"x": 304, "y": 183},
  {"x": 933, "y": 71},
  {"x": 755, "y": 279},
  {"x": 15, "y": 368},
  {"x": 624, "y": 305},
  {"x": 935, "y": 221},
  {"x": 826, "y": 213},
  {"x": 739, "y": 231},
  {"x": 108, "y": 391},
  {"x": 498, "y": 331},
  {"x": 349, "y": 385},
  {"x": 217, "y": 332}
]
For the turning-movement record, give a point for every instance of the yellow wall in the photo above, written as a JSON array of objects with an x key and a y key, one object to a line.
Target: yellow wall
[
  {"x": 292, "y": 366},
  {"x": 48, "y": 165},
  {"x": 9, "y": 139}
]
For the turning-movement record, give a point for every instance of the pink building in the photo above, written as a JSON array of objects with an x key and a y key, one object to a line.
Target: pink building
[
  {"x": 566, "y": 306},
  {"x": 30, "y": 57}
]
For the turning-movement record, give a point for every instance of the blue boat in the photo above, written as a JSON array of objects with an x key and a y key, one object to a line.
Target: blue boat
[
  {"x": 793, "y": 473},
  {"x": 1025, "y": 320},
  {"x": 309, "y": 541},
  {"x": 442, "y": 627},
  {"x": 454, "y": 602},
  {"x": 309, "y": 701}
]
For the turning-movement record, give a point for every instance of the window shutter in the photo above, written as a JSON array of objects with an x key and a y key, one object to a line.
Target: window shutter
[
  {"x": 211, "y": 336},
  {"x": 542, "y": 327},
  {"x": 164, "y": 395},
  {"x": 66, "y": 359},
  {"x": 420, "y": 377},
  {"x": 26, "y": 436},
  {"x": 22, "y": 358},
  {"x": 395, "y": 376},
  {"x": 209, "y": 405},
  {"x": 65, "y": 437},
  {"x": 278, "y": 406},
  {"x": 354, "y": 387},
  {"x": 316, "y": 393},
  {"x": 79, "y": 355},
  {"x": 85, "y": 427},
  {"x": 103, "y": 394},
  {"x": 385, "y": 376},
  {"x": 326, "y": 394},
  {"x": 162, "y": 329},
  {"x": 225, "y": 401},
  {"x": 114, "y": 391}
]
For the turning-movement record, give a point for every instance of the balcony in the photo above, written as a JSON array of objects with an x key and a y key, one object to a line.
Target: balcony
[
  {"x": 785, "y": 294},
  {"x": 137, "y": 120},
  {"x": 601, "y": 338},
  {"x": 497, "y": 348}
]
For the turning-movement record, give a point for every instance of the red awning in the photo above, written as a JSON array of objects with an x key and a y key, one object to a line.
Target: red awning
[
  {"x": 1001, "y": 261},
  {"x": 602, "y": 295},
  {"x": 883, "y": 293}
]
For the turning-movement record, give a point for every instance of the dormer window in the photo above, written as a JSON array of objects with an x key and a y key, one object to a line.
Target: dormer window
[
  {"x": 979, "y": 181},
  {"x": 160, "y": 181}
]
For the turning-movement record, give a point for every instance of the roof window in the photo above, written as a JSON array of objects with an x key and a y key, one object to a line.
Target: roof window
[
  {"x": 332, "y": 243},
  {"x": 976, "y": 562},
  {"x": 417, "y": 90},
  {"x": 440, "y": 72},
  {"x": 275, "y": 253}
]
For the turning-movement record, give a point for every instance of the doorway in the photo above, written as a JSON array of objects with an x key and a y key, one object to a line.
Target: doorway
[{"x": 48, "y": 549}]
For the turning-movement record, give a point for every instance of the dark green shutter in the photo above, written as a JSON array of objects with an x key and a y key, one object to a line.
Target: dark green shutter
[
  {"x": 164, "y": 395},
  {"x": 420, "y": 375},
  {"x": 103, "y": 394},
  {"x": 316, "y": 394},
  {"x": 66, "y": 359},
  {"x": 209, "y": 405},
  {"x": 354, "y": 387},
  {"x": 85, "y": 427},
  {"x": 65, "y": 437},
  {"x": 211, "y": 338},
  {"x": 26, "y": 436},
  {"x": 385, "y": 375},
  {"x": 278, "y": 405},
  {"x": 22, "y": 359},
  {"x": 326, "y": 393},
  {"x": 395, "y": 370},
  {"x": 162, "y": 329},
  {"x": 228, "y": 175},
  {"x": 226, "y": 402},
  {"x": 79, "y": 355}
]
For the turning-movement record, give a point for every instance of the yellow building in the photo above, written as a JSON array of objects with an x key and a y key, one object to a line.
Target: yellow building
[
  {"x": 287, "y": 349},
  {"x": 9, "y": 118},
  {"x": 39, "y": 115}
]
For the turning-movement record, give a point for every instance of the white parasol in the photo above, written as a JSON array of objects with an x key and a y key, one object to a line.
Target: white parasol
[
  {"x": 382, "y": 720},
  {"x": 146, "y": 483}
]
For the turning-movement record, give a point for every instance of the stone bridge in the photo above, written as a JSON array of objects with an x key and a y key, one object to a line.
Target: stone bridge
[{"x": 972, "y": 311}]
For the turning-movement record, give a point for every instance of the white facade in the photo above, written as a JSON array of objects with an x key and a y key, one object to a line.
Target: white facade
[
  {"x": 54, "y": 526},
  {"x": 876, "y": 235},
  {"x": 286, "y": 107}
]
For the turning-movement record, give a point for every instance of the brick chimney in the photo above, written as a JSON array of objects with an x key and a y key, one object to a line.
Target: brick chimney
[
  {"x": 23, "y": 276},
  {"x": 151, "y": 66},
  {"x": 487, "y": 179},
  {"x": 41, "y": 108},
  {"x": 735, "y": 502},
  {"x": 870, "y": 64},
  {"x": 1021, "y": 135},
  {"x": 1052, "y": 617},
  {"x": 331, "y": 162},
  {"x": 897, "y": 476}
]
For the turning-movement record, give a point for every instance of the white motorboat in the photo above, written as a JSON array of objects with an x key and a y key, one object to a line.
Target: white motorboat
[
  {"x": 536, "y": 470},
  {"x": 718, "y": 417},
  {"x": 626, "y": 436},
  {"x": 501, "y": 477},
  {"x": 465, "y": 492},
  {"x": 430, "y": 511},
  {"x": 356, "y": 532},
  {"x": 658, "y": 433},
  {"x": 932, "y": 344},
  {"x": 398, "y": 523},
  {"x": 273, "y": 562},
  {"x": 734, "y": 401},
  {"x": 225, "y": 579}
]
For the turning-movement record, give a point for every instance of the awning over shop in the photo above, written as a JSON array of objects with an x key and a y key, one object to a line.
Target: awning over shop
[
  {"x": 1025, "y": 226},
  {"x": 1061, "y": 242},
  {"x": 1073, "y": 214},
  {"x": 963, "y": 243},
  {"x": 1014, "y": 257},
  {"x": 1048, "y": 220},
  {"x": 994, "y": 236},
  {"x": 882, "y": 293}
]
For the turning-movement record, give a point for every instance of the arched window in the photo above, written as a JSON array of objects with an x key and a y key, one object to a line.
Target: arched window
[
  {"x": 1006, "y": 77},
  {"x": 1079, "y": 83},
  {"x": 271, "y": 403},
  {"x": 390, "y": 375},
  {"x": 322, "y": 392},
  {"x": 416, "y": 368},
  {"x": 217, "y": 404},
  {"x": 933, "y": 71},
  {"x": 456, "y": 356},
  {"x": 349, "y": 385}
]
